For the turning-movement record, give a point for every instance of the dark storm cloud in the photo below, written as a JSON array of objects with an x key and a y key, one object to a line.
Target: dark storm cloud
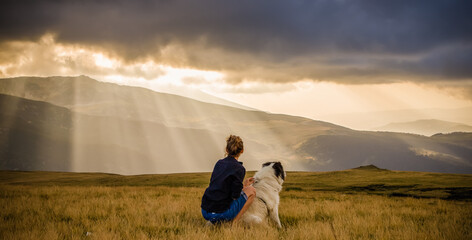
[
  {"x": 453, "y": 62},
  {"x": 370, "y": 41}
]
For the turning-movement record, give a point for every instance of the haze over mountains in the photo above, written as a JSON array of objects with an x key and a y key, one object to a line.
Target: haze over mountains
[
  {"x": 80, "y": 124},
  {"x": 373, "y": 120},
  {"x": 426, "y": 127},
  {"x": 198, "y": 95}
]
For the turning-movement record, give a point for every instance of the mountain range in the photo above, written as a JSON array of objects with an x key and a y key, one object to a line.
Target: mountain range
[
  {"x": 83, "y": 125},
  {"x": 372, "y": 120},
  {"x": 426, "y": 127}
]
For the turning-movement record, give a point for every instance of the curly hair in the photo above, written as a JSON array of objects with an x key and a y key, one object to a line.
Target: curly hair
[{"x": 234, "y": 146}]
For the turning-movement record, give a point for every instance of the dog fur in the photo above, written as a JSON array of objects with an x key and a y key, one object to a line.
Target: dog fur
[{"x": 268, "y": 184}]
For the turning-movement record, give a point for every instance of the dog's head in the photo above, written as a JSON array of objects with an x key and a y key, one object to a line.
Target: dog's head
[{"x": 277, "y": 168}]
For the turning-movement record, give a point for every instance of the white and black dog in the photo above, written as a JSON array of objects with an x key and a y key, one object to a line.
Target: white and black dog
[{"x": 268, "y": 183}]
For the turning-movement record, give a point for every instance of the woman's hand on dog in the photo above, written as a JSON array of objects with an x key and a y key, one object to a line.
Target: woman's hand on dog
[{"x": 249, "y": 181}]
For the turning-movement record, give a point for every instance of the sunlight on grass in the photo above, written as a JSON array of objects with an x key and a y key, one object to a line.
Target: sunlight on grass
[{"x": 42, "y": 205}]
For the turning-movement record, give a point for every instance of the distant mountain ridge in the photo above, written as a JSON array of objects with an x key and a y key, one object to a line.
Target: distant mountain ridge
[
  {"x": 426, "y": 127},
  {"x": 82, "y": 125},
  {"x": 369, "y": 120}
]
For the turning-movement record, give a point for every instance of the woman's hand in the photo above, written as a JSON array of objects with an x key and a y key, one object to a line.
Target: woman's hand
[{"x": 249, "y": 181}]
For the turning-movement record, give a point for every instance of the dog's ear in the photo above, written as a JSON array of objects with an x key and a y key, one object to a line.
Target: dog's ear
[
  {"x": 266, "y": 164},
  {"x": 279, "y": 170}
]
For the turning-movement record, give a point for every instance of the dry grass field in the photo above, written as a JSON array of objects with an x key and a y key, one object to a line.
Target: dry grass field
[{"x": 363, "y": 203}]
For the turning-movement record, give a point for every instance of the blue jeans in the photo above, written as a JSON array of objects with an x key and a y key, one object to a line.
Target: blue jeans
[{"x": 229, "y": 214}]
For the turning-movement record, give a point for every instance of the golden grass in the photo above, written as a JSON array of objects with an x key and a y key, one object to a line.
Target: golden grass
[{"x": 32, "y": 209}]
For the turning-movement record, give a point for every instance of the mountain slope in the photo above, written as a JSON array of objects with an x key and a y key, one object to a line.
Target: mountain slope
[
  {"x": 111, "y": 128},
  {"x": 200, "y": 96},
  {"x": 388, "y": 150},
  {"x": 426, "y": 127},
  {"x": 40, "y": 136}
]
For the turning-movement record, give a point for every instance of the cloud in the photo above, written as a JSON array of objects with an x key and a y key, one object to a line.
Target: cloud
[
  {"x": 259, "y": 88},
  {"x": 354, "y": 42},
  {"x": 441, "y": 156},
  {"x": 48, "y": 58}
]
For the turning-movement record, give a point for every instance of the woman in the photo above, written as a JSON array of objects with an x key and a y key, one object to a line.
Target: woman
[{"x": 227, "y": 198}]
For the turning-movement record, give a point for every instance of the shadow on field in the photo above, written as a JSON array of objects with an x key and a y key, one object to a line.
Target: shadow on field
[
  {"x": 374, "y": 181},
  {"x": 453, "y": 193}
]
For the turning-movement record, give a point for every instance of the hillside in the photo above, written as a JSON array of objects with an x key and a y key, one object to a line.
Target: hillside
[
  {"x": 426, "y": 127},
  {"x": 42, "y": 136},
  {"x": 79, "y": 124}
]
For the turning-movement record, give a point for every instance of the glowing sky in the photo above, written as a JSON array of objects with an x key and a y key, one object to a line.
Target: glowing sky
[{"x": 307, "y": 58}]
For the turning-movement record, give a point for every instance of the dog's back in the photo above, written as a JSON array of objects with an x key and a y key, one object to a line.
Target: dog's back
[{"x": 268, "y": 184}]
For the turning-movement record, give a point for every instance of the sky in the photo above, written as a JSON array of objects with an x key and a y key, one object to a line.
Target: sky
[{"x": 312, "y": 58}]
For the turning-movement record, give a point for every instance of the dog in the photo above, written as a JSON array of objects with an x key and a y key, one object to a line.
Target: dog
[{"x": 268, "y": 183}]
